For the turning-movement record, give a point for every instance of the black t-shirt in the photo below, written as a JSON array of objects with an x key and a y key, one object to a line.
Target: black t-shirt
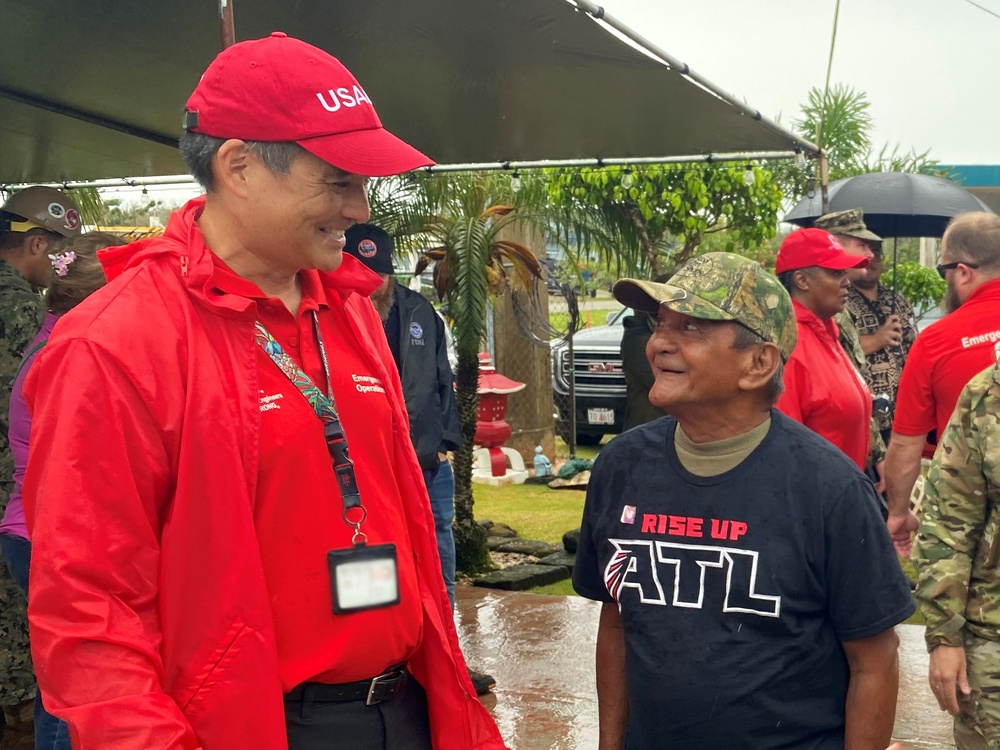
[{"x": 737, "y": 590}]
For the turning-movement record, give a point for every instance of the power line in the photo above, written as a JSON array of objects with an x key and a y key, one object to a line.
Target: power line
[{"x": 985, "y": 10}]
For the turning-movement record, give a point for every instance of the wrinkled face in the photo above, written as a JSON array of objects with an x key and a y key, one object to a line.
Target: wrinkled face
[
  {"x": 861, "y": 248},
  {"x": 693, "y": 361},
  {"x": 297, "y": 221},
  {"x": 825, "y": 291}
]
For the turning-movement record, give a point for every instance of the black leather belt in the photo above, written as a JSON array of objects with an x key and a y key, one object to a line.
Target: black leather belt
[{"x": 373, "y": 691}]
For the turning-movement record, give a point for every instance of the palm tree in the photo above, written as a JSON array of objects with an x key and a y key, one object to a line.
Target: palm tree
[{"x": 458, "y": 220}]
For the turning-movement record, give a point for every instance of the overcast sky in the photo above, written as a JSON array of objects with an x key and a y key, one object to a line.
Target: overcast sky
[{"x": 930, "y": 67}]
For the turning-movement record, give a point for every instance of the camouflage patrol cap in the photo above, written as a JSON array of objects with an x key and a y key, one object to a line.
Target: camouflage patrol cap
[
  {"x": 720, "y": 286},
  {"x": 42, "y": 208},
  {"x": 850, "y": 223}
]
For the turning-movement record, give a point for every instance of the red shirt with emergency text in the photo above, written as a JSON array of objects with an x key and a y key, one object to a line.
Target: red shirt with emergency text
[
  {"x": 944, "y": 358},
  {"x": 298, "y": 506}
]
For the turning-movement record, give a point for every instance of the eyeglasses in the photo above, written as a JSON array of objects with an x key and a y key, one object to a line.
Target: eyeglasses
[{"x": 942, "y": 268}]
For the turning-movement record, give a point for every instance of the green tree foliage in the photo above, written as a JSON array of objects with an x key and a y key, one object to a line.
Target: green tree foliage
[
  {"x": 658, "y": 222},
  {"x": 841, "y": 124},
  {"x": 921, "y": 286},
  {"x": 90, "y": 203},
  {"x": 456, "y": 221},
  {"x": 117, "y": 213}
]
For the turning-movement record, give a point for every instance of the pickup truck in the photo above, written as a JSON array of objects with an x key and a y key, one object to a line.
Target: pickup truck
[{"x": 599, "y": 380}]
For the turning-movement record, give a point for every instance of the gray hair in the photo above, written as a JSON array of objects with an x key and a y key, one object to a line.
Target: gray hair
[
  {"x": 744, "y": 339},
  {"x": 198, "y": 151}
]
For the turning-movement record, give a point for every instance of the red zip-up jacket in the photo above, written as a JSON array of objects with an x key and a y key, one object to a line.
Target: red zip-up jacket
[
  {"x": 824, "y": 391},
  {"x": 150, "y": 620}
]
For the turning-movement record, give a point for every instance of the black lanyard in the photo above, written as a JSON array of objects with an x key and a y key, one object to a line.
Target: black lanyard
[{"x": 326, "y": 409}]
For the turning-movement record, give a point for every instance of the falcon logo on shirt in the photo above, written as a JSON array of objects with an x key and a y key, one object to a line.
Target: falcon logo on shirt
[{"x": 672, "y": 574}]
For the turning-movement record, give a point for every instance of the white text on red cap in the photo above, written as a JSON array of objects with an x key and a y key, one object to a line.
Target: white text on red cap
[{"x": 343, "y": 96}]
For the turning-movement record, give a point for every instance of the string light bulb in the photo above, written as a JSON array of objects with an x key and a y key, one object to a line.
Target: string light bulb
[
  {"x": 749, "y": 178},
  {"x": 627, "y": 179},
  {"x": 800, "y": 159},
  {"x": 145, "y": 193},
  {"x": 515, "y": 182}
]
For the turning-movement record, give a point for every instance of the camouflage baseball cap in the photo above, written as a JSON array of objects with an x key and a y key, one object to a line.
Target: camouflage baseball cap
[
  {"x": 720, "y": 286},
  {"x": 850, "y": 223},
  {"x": 45, "y": 208}
]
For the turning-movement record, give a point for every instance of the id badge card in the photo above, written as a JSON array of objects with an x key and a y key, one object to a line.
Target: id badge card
[{"x": 363, "y": 577}]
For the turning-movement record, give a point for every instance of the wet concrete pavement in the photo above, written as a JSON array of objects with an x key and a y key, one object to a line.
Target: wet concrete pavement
[{"x": 540, "y": 649}]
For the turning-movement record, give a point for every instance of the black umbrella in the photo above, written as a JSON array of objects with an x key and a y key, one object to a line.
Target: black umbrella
[{"x": 896, "y": 204}]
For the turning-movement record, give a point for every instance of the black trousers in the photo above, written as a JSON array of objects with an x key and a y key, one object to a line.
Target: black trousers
[{"x": 398, "y": 724}]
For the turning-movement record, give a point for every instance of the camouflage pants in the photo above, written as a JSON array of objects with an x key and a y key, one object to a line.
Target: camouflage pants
[
  {"x": 977, "y": 725},
  {"x": 17, "y": 677}
]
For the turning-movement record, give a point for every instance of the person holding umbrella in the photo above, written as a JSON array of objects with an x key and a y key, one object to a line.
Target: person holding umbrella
[{"x": 823, "y": 389}]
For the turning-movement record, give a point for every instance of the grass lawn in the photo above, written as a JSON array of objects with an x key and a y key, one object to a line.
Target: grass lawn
[
  {"x": 559, "y": 320},
  {"x": 535, "y": 512}
]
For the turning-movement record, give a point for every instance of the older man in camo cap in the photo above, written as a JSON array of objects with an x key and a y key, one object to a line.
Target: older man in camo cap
[{"x": 748, "y": 581}]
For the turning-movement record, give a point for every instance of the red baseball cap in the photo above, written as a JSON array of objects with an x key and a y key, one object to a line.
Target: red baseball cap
[
  {"x": 814, "y": 247},
  {"x": 282, "y": 89}
]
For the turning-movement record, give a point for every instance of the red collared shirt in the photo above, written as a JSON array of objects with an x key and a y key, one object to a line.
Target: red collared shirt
[
  {"x": 944, "y": 358},
  {"x": 298, "y": 507},
  {"x": 824, "y": 391}
]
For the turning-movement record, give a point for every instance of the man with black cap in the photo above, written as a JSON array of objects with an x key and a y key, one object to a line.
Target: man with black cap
[
  {"x": 213, "y": 568},
  {"x": 31, "y": 222},
  {"x": 749, "y": 587},
  {"x": 416, "y": 338}
]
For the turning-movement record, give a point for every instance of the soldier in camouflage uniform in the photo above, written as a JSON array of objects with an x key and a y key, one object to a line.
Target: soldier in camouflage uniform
[
  {"x": 956, "y": 552},
  {"x": 31, "y": 222}
]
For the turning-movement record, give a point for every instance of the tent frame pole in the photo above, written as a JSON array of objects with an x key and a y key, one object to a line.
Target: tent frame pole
[
  {"x": 486, "y": 166},
  {"x": 599, "y": 14},
  {"x": 227, "y": 25}
]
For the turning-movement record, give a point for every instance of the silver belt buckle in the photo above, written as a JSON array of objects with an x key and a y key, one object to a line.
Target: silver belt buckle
[{"x": 370, "y": 700}]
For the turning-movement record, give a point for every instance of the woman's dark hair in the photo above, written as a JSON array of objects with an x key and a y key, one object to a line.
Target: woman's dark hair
[{"x": 84, "y": 274}]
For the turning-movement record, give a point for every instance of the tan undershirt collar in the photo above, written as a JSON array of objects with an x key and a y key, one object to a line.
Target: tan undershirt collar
[{"x": 718, "y": 457}]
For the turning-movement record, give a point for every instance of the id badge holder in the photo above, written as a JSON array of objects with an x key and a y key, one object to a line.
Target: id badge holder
[{"x": 363, "y": 577}]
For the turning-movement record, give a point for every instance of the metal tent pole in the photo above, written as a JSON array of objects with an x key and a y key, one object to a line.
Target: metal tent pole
[
  {"x": 597, "y": 12},
  {"x": 227, "y": 24}
]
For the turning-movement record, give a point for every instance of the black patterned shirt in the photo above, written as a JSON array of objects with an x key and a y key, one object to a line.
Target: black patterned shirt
[{"x": 885, "y": 366}]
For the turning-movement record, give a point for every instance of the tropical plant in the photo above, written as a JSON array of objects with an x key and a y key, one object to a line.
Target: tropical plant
[
  {"x": 90, "y": 203},
  {"x": 458, "y": 221},
  {"x": 650, "y": 219},
  {"x": 840, "y": 122},
  {"x": 921, "y": 286}
]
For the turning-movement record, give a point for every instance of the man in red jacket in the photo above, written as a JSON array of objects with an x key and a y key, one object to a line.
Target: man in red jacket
[
  {"x": 945, "y": 357},
  {"x": 210, "y": 569}
]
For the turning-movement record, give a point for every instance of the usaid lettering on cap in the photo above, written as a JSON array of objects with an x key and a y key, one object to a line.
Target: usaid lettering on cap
[{"x": 282, "y": 89}]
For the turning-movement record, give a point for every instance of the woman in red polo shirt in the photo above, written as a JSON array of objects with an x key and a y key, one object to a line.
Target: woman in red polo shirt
[{"x": 823, "y": 390}]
